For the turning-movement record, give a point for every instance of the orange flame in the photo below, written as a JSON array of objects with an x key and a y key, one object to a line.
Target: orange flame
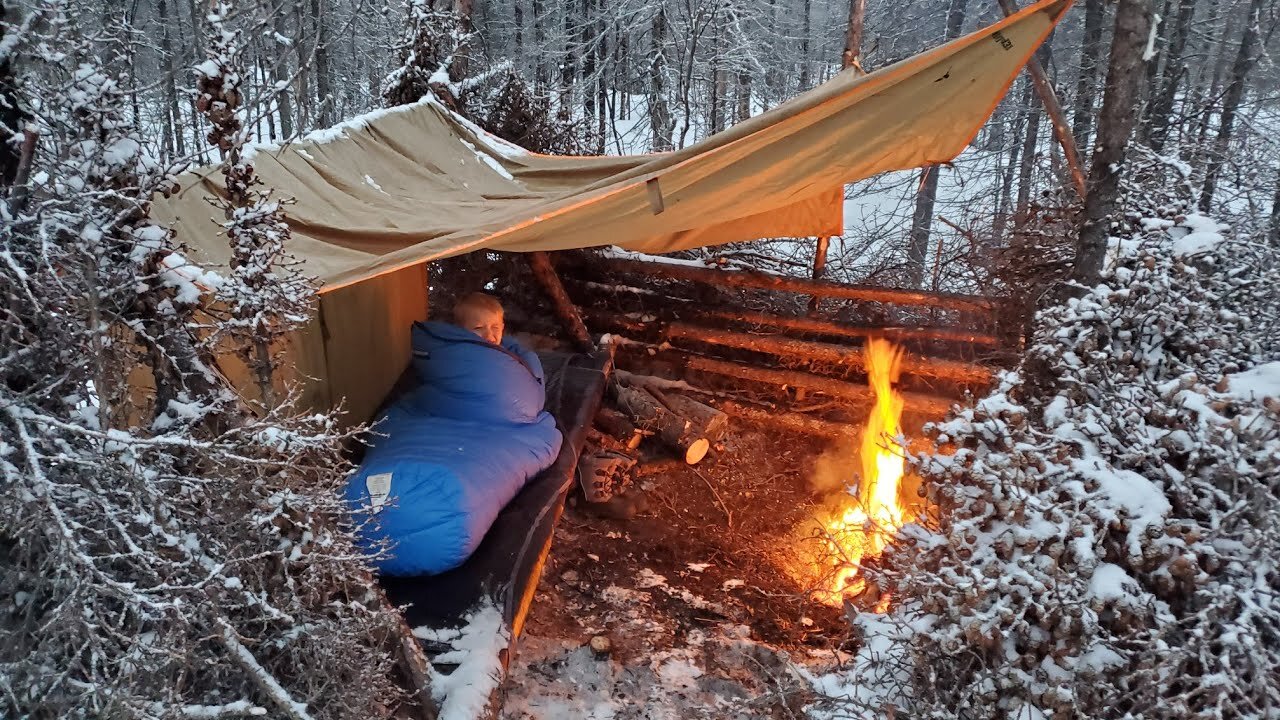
[{"x": 866, "y": 528}]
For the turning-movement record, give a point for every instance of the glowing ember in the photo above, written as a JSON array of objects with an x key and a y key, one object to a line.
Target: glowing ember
[{"x": 863, "y": 530}]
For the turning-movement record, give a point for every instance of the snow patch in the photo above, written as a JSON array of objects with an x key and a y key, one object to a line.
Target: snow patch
[
  {"x": 488, "y": 160},
  {"x": 1256, "y": 384},
  {"x": 474, "y": 648},
  {"x": 1196, "y": 234}
]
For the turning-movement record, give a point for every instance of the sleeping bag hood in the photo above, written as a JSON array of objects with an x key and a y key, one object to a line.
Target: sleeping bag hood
[{"x": 465, "y": 377}]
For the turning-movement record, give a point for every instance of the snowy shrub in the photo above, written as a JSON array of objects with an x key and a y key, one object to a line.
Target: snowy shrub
[
  {"x": 163, "y": 552},
  {"x": 1107, "y": 536}
]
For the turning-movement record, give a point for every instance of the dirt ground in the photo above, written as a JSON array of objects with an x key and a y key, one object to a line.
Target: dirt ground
[{"x": 716, "y": 545}]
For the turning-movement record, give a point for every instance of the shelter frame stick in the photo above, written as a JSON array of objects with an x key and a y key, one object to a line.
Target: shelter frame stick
[
  {"x": 545, "y": 274},
  {"x": 819, "y": 265},
  {"x": 825, "y": 288},
  {"x": 1061, "y": 130}
]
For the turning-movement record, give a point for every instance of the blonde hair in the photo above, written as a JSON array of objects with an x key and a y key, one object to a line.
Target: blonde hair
[{"x": 475, "y": 302}]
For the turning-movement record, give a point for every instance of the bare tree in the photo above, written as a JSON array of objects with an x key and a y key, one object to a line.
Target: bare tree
[
  {"x": 1115, "y": 127},
  {"x": 1244, "y": 62}
]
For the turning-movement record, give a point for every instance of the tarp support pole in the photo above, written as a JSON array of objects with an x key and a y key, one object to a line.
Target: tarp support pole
[
  {"x": 545, "y": 274},
  {"x": 819, "y": 265},
  {"x": 1061, "y": 130}
]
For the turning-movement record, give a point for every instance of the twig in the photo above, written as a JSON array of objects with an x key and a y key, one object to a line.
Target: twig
[{"x": 727, "y": 514}]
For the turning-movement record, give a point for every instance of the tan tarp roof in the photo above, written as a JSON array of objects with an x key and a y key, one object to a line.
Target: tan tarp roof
[{"x": 401, "y": 187}]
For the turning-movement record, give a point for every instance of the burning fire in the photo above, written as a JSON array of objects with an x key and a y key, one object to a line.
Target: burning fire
[{"x": 864, "y": 529}]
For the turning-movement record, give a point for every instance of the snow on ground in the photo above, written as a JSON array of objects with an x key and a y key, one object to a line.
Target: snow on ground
[
  {"x": 719, "y": 674},
  {"x": 475, "y": 649}
]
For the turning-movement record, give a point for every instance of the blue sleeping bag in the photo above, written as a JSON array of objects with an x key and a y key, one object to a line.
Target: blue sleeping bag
[{"x": 453, "y": 452}]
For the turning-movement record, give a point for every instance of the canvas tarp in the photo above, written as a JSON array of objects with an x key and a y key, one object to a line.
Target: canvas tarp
[
  {"x": 375, "y": 198},
  {"x": 404, "y": 186}
]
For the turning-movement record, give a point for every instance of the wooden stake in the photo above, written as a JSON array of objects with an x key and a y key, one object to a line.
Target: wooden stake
[
  {"x": 1061, "y": 130},
  {"x": 819, "y": 264},
  {"x": 822, "y": 288},
  {"x": 545, "y": 274}
]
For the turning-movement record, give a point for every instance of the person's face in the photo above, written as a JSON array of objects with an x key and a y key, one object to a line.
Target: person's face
[{"x": 487, "y": 325}]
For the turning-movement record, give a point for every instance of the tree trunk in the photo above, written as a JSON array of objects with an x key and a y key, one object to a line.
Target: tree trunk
[
  {"x": 1161, "y": 106},
  {"x": 587, "y": 48},
  {"x": 517, "y": 22},
  {"x": 1115, "y": 126},
  {"x": 922, "y": 218},
  {"x": 1004, "y": 205},
  {"x": 660, "y": 120},
  {"x": 601, "y": 85},
  {"x": 1274, "y": 235},
  {"x": 1244, "y": 62},
  {"x": 921, "y": 221},
  {"x": 1159, "y": 39},
  {"x": 743, "y": 94},
  {"x": 280, "y": 76},
  {"x": 568, "y": 67},
  {"x": 174, "y": 112},
  {"x": 804, "y": 46},
  {"x": 539, "y": 48},
  {"x": 1210, "y": 102},
  {"x": 1030, "y": 142},
  {"x": 305, "y": 101},
  {"x": 852, "y": 55},
  {"x": 1087, "y": 80},
  {"x": 324, "y": 81}
]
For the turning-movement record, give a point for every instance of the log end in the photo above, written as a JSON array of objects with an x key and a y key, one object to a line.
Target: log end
[{"x": 696, "y": 451}]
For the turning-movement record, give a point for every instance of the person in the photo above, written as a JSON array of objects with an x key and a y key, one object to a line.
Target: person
[{"x": 481, "y": 314}]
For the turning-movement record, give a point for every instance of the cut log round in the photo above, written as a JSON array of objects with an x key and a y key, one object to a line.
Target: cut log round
[
  {"x": 674, "y": 431},
  {"x": 710, "y": 422}
]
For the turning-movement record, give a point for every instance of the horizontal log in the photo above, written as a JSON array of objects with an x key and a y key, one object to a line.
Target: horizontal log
[
  {"x": 836, "y": 329},
  {"x": 931, "y": 405},
  {"x": 953, "y": 370},
  {"x": 793, "y": 422},
  {"x": 821, "y": 288},
  {"x": 640, "y": 323}
]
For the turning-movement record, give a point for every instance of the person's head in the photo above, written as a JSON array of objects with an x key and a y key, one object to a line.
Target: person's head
[{"x": 481, "y": 314}]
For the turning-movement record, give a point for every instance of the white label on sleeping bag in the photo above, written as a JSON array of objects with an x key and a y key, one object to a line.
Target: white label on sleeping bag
[{"x": 379, "y": 489}]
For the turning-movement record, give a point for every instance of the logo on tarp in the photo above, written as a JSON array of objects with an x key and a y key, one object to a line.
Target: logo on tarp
[
  {"x": 1003, "y": 41},
  {"x": 379, "y": 487}
]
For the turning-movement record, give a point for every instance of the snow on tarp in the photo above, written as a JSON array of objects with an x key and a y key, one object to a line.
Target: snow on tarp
[{"x": 475, "y": 649}]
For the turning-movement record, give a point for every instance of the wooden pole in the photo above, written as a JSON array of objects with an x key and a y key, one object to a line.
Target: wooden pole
[
  {"x": 824, "y": 288},
  {"x": 792, "y": 422},
  {"x": 1061, "y": 129},
  {"x": 852, "y": 55},
  {"x": 914, "y": 402},
  {"x": 826, "y": 352},
  {"x": 545, "y": 274},
  {"x": 819, "y": 265},
  {"x": 625, "y": 323},
  {"x": 853, "y": 392}
]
